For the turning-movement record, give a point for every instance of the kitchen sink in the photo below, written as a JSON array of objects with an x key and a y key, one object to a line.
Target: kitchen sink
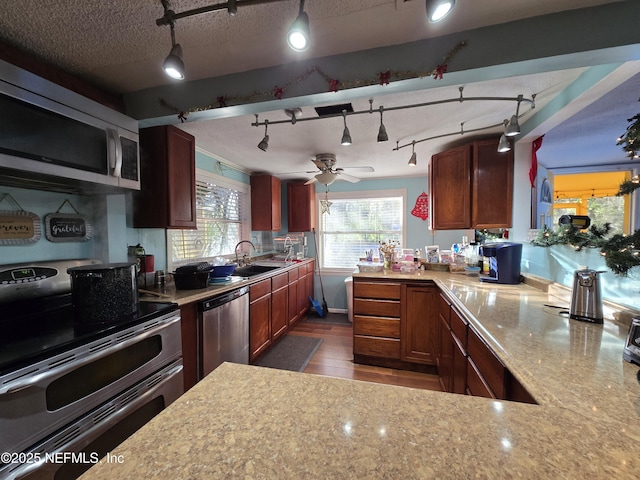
[{"x": 253, "y": 270}]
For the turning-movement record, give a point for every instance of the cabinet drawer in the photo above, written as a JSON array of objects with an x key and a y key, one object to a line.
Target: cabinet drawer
[
  {"x": 444, "y": 309},
  {"x": 380, "y": 290},
  {"x": 279, "y": 281},
  {"x": 310, "y": 267},
  {"x": 376, "y": 347},
  {"x": 476, "y": 385},
  {"x": 459, "y": 328},
  {"x": 376, "y": 326},
  {"x": 488, "y": 365},
  {"x": 378, "y": 308},
  {"x": 259, "y": 289},
  {"x": 293, "y": 275}
]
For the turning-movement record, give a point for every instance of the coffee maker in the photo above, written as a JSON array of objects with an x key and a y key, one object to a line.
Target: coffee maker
[{"x": 504, "y": 262}]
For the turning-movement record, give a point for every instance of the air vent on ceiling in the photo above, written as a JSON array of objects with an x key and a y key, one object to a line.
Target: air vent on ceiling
[{"x": 334, "y": 109}]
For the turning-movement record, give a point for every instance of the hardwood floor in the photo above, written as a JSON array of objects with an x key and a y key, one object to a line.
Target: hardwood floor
[{"x": 334, "y": 358}]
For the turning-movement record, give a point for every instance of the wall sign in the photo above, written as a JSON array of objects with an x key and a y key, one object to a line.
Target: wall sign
[
  {"x": 18, "y": 227},
  {"x": 67, "y": 227}
]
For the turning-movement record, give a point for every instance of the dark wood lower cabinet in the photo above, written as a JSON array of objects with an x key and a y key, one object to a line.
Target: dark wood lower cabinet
[
  {"x": 259, "y": 318},
  {"x": 419, "y": 317},
  {"x": 279, "y": 305}
]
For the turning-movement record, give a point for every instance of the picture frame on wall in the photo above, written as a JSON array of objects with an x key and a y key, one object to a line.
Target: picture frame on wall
[{"x": 545, "y": 192}]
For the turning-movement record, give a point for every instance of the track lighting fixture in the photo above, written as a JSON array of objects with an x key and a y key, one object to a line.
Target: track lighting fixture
[
  {"x": 174, "y": 65},
  {"x": 382, "y": 132},
  {"x": 413, "y": 161},
  {"x": 298, "y": 34},
  {"x": 513, "y": 128},
  {"x": 232, "y": 7},
  {"x": 438, "y": 9},
  {"x": 508, "y": 127},
  {"x": 264, "y": 143},
  {"x": 346, "y": 136},
  {"x": 503, "y": 144}
]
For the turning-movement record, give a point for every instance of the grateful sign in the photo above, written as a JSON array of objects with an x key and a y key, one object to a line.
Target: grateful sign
[{"x": 67, "y": 227}]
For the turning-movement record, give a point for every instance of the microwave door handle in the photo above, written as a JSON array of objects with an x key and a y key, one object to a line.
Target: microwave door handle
[{"x": 114, "y": 151}]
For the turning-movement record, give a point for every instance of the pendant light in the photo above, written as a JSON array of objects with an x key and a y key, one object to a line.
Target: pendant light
[
  {"x": 298, "y": 34},
  {"x": 513, "y": 128},
  {"x": 438, "y": 9},
  {"x": 382, "y": 132},
  {"x": 174, "y": 65},
  {"x": 413, "y": 161},
  {"x": 346, "y": 136},
  {"x": 503, "y": 144},
  {"x": 264, "y": 143}
]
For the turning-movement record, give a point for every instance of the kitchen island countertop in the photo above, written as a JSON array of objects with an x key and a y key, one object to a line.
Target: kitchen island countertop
[{"x": 254, "y": 422}]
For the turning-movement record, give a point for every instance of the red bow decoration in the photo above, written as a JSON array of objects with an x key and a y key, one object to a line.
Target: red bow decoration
[
  {"x": 182, "y": 117},
  {"x": 533, "y": 171},
  {"x": 222, "y": 102},
  {"x": 277, "y": 92},
  {"x": 333, "y": 85},
  {"x": 384, "y": 77},
  {"x": 440, "y": 71}
]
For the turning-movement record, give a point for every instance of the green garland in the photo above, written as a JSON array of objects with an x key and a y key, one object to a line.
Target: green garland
[
  {"x": 621, "y": 252},
  {"x": 627, "y": 187}
]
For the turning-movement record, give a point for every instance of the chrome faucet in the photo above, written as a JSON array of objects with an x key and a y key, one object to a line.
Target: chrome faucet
[
  {"x": 244, "y": 260},
  {"x": 288, "y": 249}
]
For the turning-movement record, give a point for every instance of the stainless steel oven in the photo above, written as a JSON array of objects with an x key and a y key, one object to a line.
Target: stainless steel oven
[{"x": 66, "y": 388}]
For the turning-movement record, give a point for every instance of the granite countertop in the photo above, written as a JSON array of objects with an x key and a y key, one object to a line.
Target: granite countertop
[
  {"x": 182, "y": 297},
  {"x": 254, "y": 422}
]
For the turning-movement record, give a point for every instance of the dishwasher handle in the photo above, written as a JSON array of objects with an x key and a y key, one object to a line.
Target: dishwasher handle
[{"x": 222, "y": 299}]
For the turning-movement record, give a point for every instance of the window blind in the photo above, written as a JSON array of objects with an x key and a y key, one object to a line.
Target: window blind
[
  {"x": 220, "y": 212},
  {"x": 355, "y": 225}
]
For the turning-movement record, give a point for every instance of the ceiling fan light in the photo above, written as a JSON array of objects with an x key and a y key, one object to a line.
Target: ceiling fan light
[
  {"x": 503, "y": 145},
  {"x": 438, "y": 9},
  {"x": 326, "y": 178},
  {"x": 513, "y": 128},
  {"x": 174, "y": 65},
  {"x": 298, "y": 34}
]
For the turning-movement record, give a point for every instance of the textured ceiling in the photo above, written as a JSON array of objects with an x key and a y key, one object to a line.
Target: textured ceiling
[{"x": 116, "y": 45}]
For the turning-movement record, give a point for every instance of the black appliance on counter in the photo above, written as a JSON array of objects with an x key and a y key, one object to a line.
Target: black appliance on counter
[
  {"x": 81, "y": 387},
  {"x": 504, "y": 262}
]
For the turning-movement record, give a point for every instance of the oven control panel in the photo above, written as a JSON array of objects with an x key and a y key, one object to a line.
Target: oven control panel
[
  {"x": 26, "y": 274},
  {"x": 23, "y": 281}
]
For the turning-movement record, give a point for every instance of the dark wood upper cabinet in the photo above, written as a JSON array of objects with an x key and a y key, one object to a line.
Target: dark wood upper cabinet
[
  {"x": 451, "y": 189},
  {"x": 265, "y": 203},
  {"x": 472, "y": 187},
  {"x": 492, "y": 186},
  {"x": 301, "y": 208},
  {"x": 167, "y": 196}
]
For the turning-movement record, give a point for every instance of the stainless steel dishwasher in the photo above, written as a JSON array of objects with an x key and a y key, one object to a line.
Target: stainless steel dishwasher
[{"x": 223, "y": 331}]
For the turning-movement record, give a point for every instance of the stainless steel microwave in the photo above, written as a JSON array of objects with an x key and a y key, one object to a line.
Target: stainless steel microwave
[{"x": 54, "y": 139}]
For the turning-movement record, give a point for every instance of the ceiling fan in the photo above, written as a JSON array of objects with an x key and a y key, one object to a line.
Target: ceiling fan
[{"x": 328, "y": 174}]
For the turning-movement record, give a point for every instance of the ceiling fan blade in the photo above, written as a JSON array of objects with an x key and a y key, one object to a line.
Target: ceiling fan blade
[
  {"x": 348, "y": 178},
  {"x": 360, "y": 169},
  {"x": 311, "y": 180}
]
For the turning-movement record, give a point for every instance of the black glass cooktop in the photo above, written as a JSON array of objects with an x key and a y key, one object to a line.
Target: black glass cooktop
[{"x": 34, "y": 329}]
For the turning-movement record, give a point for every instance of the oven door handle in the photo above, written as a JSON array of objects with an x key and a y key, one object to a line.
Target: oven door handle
[{"x": 134, "y": 337}]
